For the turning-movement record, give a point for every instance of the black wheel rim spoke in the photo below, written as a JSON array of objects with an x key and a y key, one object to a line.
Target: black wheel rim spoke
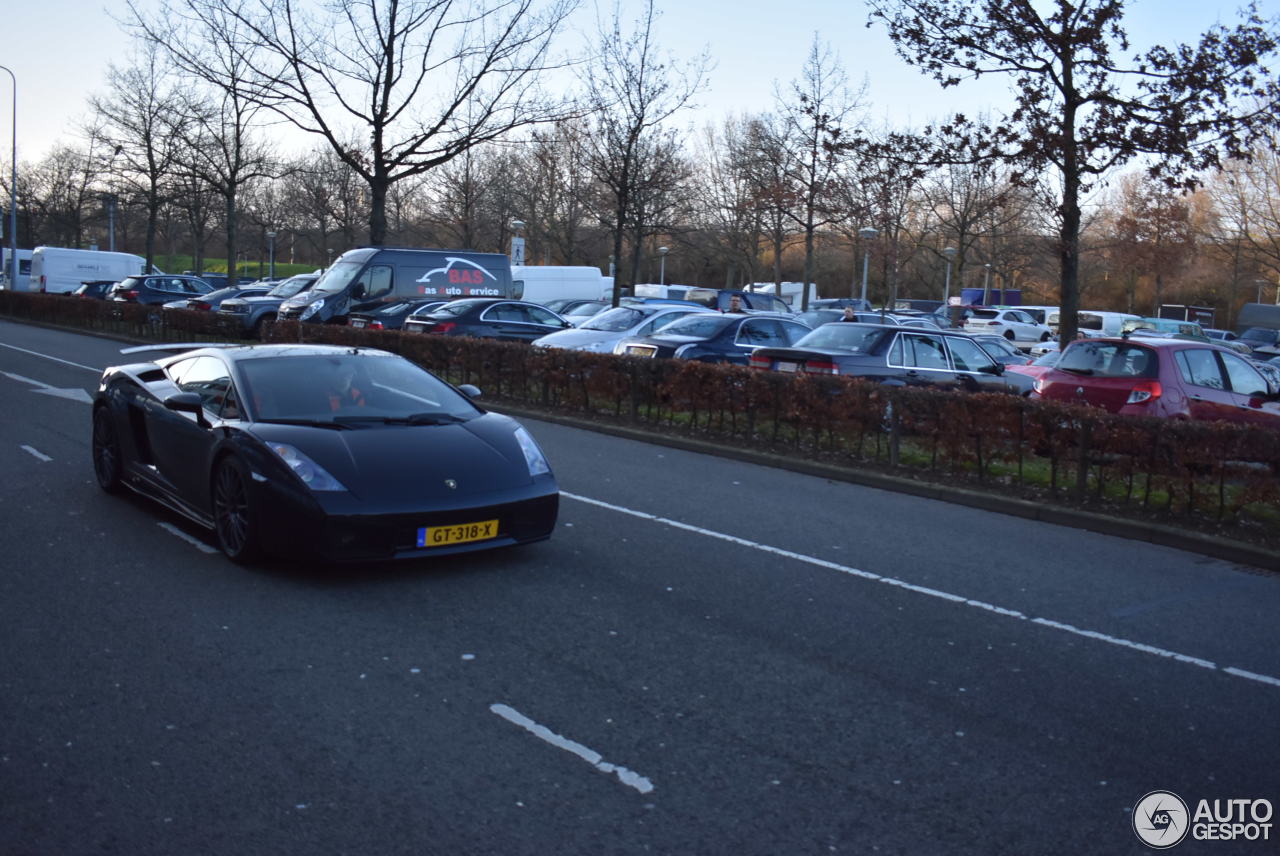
[{"x": 233, "y": 509}]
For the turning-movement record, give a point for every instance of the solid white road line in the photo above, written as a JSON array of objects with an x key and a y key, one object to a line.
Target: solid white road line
[
  {"x": 627, "y": 777},
  {"x": 41, "y": 455},
  {"x": 953, "y": 598},
  {"x": 55, "y": 359},
  {"x": 195, "y": 542}
]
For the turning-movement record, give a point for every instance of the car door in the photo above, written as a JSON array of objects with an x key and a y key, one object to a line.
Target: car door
[
  {"x": 179, "y": 444},
  {"x": 975, "y": 368},
  {"x": 755, "y": 333},
  {"x": 1204, "y": 385},
  {"x": 920, "y": 359},
  {"x": 1249, "y": 392},
  {"x": 513, "y": 322}
]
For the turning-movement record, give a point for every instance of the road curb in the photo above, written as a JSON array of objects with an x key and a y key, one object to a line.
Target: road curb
[{"x": 1135, "y": 530}]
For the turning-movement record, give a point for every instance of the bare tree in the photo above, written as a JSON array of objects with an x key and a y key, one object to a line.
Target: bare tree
[
  {"x": 1081, "y": 111},
  {"x": 416, "y": 82},
  {"x": 814, "y": 111},
  {"x": 141, "y": 121},
  {"x": 633, "y": 93}
]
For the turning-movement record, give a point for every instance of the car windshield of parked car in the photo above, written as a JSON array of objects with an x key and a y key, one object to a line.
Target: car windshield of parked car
[
  {"x": 338, "y": 276},
  {"x": 290, "y": 287},
  {"x": 617, "y": 319},
  {"x": 998, "y": 343},
  {"x": 350, "y": 388},
  {"x": 587, "y": 309},
  {"x": 854, "y": 338},
  {"x": 1261, "y": 334},
  {"x": 700, "y": 326},
  {"x": 1110, "y": 359},
  {"x": 1049, "y": 358},
  {"x": 453, "y": 309}
]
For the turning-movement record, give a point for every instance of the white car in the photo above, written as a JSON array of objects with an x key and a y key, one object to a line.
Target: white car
[
  {"x": 1013, "y": 324},
  {"x": 603, "y": 330}
]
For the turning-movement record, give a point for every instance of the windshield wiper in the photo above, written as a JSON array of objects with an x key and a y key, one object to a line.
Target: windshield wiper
[
  {"x": 411, "y": 419},
  {"x": 311, "y": 423}
]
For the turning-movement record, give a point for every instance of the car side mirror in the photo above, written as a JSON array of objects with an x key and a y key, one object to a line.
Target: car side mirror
[
  {"x": 188, "y": 402},
  {"x": 470, "y": 390},
  {"x": 994, "y": 369},
  {"x": 358, "y": 290}
]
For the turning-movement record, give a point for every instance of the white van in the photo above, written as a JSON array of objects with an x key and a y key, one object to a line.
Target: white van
[
  {"x": 541, "y": 283},
  {"x": 791, "y": 292},
  {"x": 24, "y": 270},
  {"x": 59, "y": 270},
  {"x": 1094, "y": 324}
]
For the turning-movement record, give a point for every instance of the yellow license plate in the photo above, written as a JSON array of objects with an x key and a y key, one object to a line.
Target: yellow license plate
[{"x": 461, "y": 533}]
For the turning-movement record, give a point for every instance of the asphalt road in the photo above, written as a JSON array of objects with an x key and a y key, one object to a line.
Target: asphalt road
[{"x": 708, "y": 657}]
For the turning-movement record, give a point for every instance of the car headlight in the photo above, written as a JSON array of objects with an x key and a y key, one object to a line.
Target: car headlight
[
  {"x": 312, "y": 474},
  {"x": 311, "y": 309},
  {"x": 532, "y": 454}
]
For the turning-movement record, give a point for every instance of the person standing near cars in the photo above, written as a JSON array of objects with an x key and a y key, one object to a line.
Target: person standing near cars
[{"x": 735, "y": 305}]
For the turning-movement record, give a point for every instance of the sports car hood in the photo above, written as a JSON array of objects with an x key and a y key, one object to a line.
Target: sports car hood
[{"x": 415, "y": 466}]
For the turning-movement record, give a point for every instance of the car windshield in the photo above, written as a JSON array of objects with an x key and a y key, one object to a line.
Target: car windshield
[
  {"x": 618, "y": 319},
  {"x": 854, "y": 338},
  {"x": 701, "y": 326},
  {"x": 339, "y": 276},
  {"x": 452, "y": 309},
  {"x": 1109, "y": 359},
  {"x": 291, "y": 286},
  {"x": 350, "y": 387},
  {"x": 816, "y": 317},
  {"x": 1260, "y": 334},
  {"x": 1049, "y": 358},
  {"x": 583, "y": 309},
  {"x": 998, "y": 343}
]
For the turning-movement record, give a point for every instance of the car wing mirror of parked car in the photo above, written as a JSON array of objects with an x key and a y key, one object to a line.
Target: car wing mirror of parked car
[
  {"x": 470, "y": 390},
  {"x": 994, "y": 368},
  {"x": 358, "y": 290},
  {"x": 188, "y": 402}
]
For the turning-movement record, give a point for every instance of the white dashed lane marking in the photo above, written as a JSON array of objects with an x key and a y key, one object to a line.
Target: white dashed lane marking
[{"x": 959, "y": 600}]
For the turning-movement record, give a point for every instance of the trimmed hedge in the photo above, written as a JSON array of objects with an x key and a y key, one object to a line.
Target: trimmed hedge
[{"x": 1213, "y": 475}]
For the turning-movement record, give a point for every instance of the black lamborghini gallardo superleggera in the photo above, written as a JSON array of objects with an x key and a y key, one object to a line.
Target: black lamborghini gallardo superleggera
[{"x": 327, "y": 452}]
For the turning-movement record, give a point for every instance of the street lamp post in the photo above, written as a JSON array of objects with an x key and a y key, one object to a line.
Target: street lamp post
[
  {"x": 517, "y": 242},
  {"x": 866, "y": 233},
  {"x": 1260, "y": 283},
  {"x": 662, "y": 264},
  {"x": 950, "y": 253},
  {"x": 13, "y": 190},
  {"x": 986, "y": 285},
  {"x": 271, "y": 255}
]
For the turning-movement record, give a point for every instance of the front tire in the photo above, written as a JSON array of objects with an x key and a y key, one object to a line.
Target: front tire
[
  {"x": 234, "y": 521},
  {"x": 107, "y": 462}
]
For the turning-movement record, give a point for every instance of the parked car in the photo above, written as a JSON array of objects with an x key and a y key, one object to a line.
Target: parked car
[
  {"x": 488, "y": 318},
  {"x": 94, "y": 289},
  {"x": 1167, "y": 378},
  {"x": 393, "y": 315},
  {"x": 1002, "y": 350},
  {"x": 1038, "y": 366},
  {"x": 895, "y": 356},
  {"x": 1261, "y": 338},
  {"x": 716, "y": 338},
  {"x": 1013, "y": 324},
  {"x": 840, "y": 303},
  {"x": 254, "y": 313},
  {"x": 317, "y": 451},
  {"x": 580, "y": 311},
  {"x": 602, "y": 331},
  {"x": 213, "y": 300},
  {"x": 157, "y": 289}
]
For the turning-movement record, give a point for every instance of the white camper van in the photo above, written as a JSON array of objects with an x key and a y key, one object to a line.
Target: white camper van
[
  {"x": 24, "y": 270},
  {"x": 791, "y": 292},
  {"x": 58, "y": 270},
  {"x": 540, "y": 283}
]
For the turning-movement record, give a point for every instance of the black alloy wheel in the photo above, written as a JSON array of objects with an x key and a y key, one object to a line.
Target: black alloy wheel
[
  {"x": 232, "y": 512},
  {"x": 106, "y": 451}
]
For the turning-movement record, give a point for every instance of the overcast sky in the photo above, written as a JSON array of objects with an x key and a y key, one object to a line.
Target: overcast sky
[{"x": 60, "y": 49}]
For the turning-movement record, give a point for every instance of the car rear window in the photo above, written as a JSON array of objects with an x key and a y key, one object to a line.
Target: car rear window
[
  {"x": 1110, "y": 359},
  {"x": 854, "y": 338},
  {"x": 985, "y": 313}
]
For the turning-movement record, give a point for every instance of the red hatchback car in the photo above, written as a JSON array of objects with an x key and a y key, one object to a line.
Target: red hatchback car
[{"x": 1169, "y": 378}]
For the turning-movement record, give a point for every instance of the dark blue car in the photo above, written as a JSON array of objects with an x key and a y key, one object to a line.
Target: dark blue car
[{"x": 710, "y": 338}]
